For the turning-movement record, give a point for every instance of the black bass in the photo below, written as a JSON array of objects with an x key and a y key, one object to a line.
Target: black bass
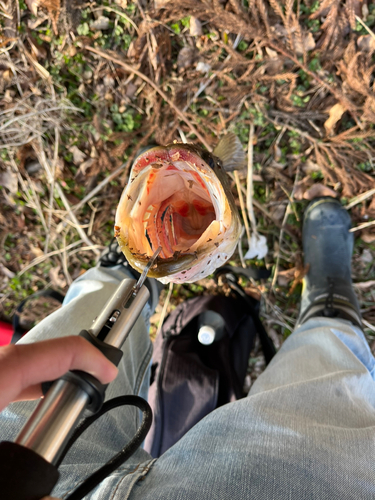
[{"x": 178, "y": 198}]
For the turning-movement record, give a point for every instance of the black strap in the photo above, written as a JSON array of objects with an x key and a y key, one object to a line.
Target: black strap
[
  {"x": 18, "y": 332},
  {"x": 230, "y": 273},
  {"x": 268, "y": 346}
]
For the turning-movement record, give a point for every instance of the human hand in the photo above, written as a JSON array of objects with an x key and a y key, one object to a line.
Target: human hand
[{"x": 23, "y": 367}]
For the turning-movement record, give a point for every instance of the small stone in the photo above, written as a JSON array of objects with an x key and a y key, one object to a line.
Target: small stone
[
  {"x": 366, "y": 256},
  {"x": 87, "y": 75},
  {"x": 108, "y": 81},
  {"x": 102, "y": 23},
  {"x": 203, "y": 67},
  {"x": 78, "y": 155}
]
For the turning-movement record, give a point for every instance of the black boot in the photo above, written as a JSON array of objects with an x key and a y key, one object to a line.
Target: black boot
[{"x": 328, "y": 246}]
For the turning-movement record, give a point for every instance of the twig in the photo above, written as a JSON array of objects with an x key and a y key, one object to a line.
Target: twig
[
  {"x": 205, "y": 84},
  {"x": 42, "y": 72},
  {"x": 52, "y": 188},
  {"x": 164, "y": 310},
  {"x": 64, "y": 260},
  {"x": 369, "y": 325},
  {"x": 370, "y": 32},
  {"x": 260, "y": 207},
  {"x": 34, "y": 199},
  {"x": 282, "y": 318},
  {"x": 14, "y": 74},
  {"x": 100, "y": 186},
  {"x": 250, "y": 186},
  {"x": 43, "y": 161},
  {"x": 154, "y": 86},
  {"x": 362, "y": 226},
  {"x": 46, "y": 256},
  {"x": 339, "y": 95},
  {"x": 240, "y": 252},
  {"x": 92, "y": 218},
  {"x": 84, "y": 249},
  {"x": 121, "y": 14},
  {"x": 242, "y": 204},
  {"x": 182, "y": 135},
  {"x": 287, "y": 212},
  {"x": 122, "y": 168},
  {"x": 291, "y": 202},
  {"x": 292, "y": 129},
  {"x": 202, "y": 87},
  {"x": 360, "y": 198}
]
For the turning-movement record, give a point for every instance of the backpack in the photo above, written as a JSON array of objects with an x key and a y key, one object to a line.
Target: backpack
[{"x": 189, "y": 379}]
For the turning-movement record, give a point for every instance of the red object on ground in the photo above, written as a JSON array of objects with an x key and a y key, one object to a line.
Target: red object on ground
[{"x": 6, "y": 333}]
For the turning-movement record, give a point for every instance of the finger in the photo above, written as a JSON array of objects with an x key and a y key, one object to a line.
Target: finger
[
  {"x": 22, "y": 366},
  {"x": 32, "y": 392}
]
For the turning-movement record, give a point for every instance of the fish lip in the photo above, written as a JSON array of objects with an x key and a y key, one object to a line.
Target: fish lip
[{"x": 188, "y": 153}]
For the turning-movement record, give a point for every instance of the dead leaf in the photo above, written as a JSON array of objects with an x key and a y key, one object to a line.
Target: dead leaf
[
  {"x": 37, "y": 50},
  {"x": 185, "y": 58},
  {"x": 310, "y": 167},
  {"x": 132, "y": 50},
  {"x": 318, "y": 190},
  {"x": 131, "y": 89},
  {"x": 278, "y": 211},
  {"x": 299, "y": 274},
  {"x": 275, "y": 64},
  {"x": 78, "y": 155},
  {"x": 366, "y": 43},
  {"x": 364, "y": 284},
  {"x": 35, "y": 252},
  {"x": 159, "y": 4},
  {"x": 367, "y": 237},
  {"x": 52, "y": 6},
  {"x": 33, "y": 6},
  {"x": 8, "y": 96},
  {"x": 335, "y": 114},
  {"x": 371, "y": 208},
  {"x": 301, "y": 187},
  {"x": 272, "y": 53},
  {"x": 8, "y": 179},
  {"x": 195, "y": 27},
  {"x": 309, "y": 42},
  {"x": 81, "y": 172},
  {"x": 277, "y": 153},
  {"x": 122, "y": 3},
  {"x": 286, "y": 276}
]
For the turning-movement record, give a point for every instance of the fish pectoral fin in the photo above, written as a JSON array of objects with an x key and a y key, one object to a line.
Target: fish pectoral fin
[{"x": 230, "y": 152}]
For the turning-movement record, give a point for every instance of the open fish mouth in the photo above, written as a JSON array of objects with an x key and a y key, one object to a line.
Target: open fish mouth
[{"x": 174, "y": 200}]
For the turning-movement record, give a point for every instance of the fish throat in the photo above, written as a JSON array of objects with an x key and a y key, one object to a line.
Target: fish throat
[{"x": 179, "y": 207}]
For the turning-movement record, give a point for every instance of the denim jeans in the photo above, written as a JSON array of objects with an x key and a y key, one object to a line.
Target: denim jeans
[{"x": 305, "y": 431}]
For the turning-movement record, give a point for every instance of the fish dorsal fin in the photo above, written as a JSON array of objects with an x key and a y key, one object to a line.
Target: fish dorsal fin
[{"x": 230, "y": 152}]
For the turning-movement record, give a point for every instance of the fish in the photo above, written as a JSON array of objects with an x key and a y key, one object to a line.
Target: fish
[{"x": 178, "y": 198}]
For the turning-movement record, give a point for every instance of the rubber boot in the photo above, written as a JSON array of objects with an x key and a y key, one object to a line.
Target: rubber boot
[{"x": 328, "y": 247}]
